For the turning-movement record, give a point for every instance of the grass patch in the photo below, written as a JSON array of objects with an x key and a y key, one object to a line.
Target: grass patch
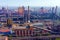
[{"x": 57, "y": 38}]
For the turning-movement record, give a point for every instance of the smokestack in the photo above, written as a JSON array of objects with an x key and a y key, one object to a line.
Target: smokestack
[
  {"x": 56, "y": 9},
  {"x": 52, "y": 9},
  {"x": 42, "y": 10},
  {"x": 28, "y": 14}
]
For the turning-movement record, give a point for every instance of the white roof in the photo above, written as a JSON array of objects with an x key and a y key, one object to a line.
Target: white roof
[
  {"x": 20, "y": 28},
  {"x": 37, "y": 24}
]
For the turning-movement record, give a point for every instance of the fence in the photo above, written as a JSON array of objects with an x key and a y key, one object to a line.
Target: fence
[{"x": 24, "y": 32}]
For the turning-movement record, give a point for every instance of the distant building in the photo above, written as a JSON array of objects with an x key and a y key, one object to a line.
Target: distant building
[
  {"x": 23, "y": 15},
  {"x": 21, "y": 11}
]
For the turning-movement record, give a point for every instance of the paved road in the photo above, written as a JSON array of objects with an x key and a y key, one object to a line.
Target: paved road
[
  {"x": 52, "y": 36},
  {"x": 3, "y": 37}
]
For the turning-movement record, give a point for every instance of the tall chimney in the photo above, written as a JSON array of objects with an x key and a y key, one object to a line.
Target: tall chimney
[
  {"x": 42, "y": 10},
  {"x": 52, "y": 9},
  {"x": 28, "y": 14},
  {"x": 56, "y": 9}
]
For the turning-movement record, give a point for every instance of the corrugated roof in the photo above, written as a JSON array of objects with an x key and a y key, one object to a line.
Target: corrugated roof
[{"x": 4, "y": 30}]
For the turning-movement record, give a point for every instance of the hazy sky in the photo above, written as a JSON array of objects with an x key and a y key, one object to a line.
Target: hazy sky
[{"x": 29, "y": 2}]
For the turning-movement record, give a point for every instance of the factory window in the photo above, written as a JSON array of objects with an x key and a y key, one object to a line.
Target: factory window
[
  {"x": 46, "y": 25},
  {"x": 14, "y": 19},
  {"x": 20, "y": 18}
]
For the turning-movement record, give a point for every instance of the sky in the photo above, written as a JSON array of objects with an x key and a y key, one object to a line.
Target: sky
[{"x": 35, "y": 3}]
